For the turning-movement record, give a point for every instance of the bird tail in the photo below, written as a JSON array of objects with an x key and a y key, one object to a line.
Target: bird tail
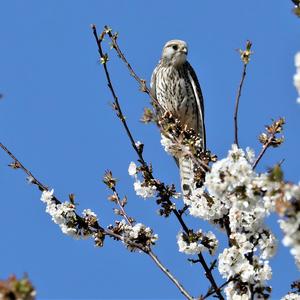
[{"x": 186, "y": 170}]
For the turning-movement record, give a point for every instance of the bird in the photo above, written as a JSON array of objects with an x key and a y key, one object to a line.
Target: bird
[{"x": 175, "y": 86}]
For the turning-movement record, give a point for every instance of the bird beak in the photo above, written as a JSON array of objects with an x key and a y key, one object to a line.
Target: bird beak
[{"x": 184, "y": 50}]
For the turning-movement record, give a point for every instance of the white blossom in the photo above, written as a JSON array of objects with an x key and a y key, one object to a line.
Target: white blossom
[
  {"x": 228, "y": 174},
  {"x": 137, "y": 233},
  {"x": 213, "y": 242},
  {"x": 297, "y": 60},
  {"x": 204, "y": 206},
  {"x": 267, "y": 244},
  {"x": 174, "y": 149},
  {"x": 291, "y": 296},
  {"x": 290, "y": 227},
  {"x": 233, "y": 262},
  {"x": 200, "y": 241},
  {"x": 230, "y": 185},
  {"x": 47, "y": 196},
  {"x": 263, "y": 271},
  {"x": 188, "y": 247},
  {"x": 132, "y": 170},
  {"x": 232, "y": 293},
  {"x": 62, "y": 214},
  {"x": 242, "y": 242},
  {"x": 297, "y": 75},
  {"x": 143, "y": 190},
  {"x": 291, "y": 191},
  {"x": 139, "y": 228},
  {"x": 89, "y": 213},
  {"x": 250, "y": 155},
  {"x": 138, "y": 144},
  {"x": 69, "y": 231}
]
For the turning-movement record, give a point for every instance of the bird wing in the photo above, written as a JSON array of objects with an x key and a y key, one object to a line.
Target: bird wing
[
  {"x": 199, "y": 99},
  {"x": 153, "y": 81}
]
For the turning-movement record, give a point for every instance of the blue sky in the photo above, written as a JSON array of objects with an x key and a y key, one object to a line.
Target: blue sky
[{"x": 55, "y": 117}]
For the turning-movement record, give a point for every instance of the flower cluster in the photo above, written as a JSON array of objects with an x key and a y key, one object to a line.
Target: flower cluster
[
  {"x": 294, "y": 294},
  {"x": 291, "y": 296},
  {"x": 174, "y": 149},
  {"x": 234, "y": 193},
  {"x": 232, "y": 262},
  {"x": 237, "y": 290},
  {"x": 183, "y": 142},
  {"x": 144, "y": 188},
  {"x": 228, "y": 188},
  {"x": 289, "y": 207},
  {"x": 134, "y": 236},
  {"x": 20, "y": 289},
  {"x": 297, "y": 75},
  {"x": 65, "y": 216},
  {"x": 194, "y": 243}
]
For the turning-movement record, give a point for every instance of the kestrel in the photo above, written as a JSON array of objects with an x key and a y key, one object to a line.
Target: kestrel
[{"x": 175, "y": 86}]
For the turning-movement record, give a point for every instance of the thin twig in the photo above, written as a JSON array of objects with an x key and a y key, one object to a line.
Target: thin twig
[
  {"x": 237, "y": 101},
  {"x": 149, "y": 252},
  {"x": 210, "y": 277},
  {"x": 96, "y": 227},
  {"x": 208, "y": 272},
  {"x": 171, "y": 277},
  {"x": 118, "y": 107},
  {"x": 261, "y": 153},
  {"x": 221, "y": 287},
  {"x": 142, "y": 82},
  {"x": 124, "y": 214},
  {"x": 19, "y": 165}
]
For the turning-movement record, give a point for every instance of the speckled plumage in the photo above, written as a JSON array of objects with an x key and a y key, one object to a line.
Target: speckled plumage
[{"x": 175, "y": 86}]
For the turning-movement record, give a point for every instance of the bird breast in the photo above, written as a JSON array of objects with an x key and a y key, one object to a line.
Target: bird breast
[{"x": 175, "y": 94}]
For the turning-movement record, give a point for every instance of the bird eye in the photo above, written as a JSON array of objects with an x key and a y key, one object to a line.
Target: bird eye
[{"x": 175, "y": 47}]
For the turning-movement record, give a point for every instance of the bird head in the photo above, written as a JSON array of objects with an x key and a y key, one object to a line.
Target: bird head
[{"x": 175, "y": 52}]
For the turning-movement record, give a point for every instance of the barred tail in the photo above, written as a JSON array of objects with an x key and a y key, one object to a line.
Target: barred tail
[{"x": 186, "y": 175}]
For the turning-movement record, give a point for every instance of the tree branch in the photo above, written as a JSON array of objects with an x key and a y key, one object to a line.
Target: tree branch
[
  {"x": 245, "y": 57},
  {"x": 97, "y": 228},
  {"x": 142, "y": 82},
  {"x": 19, "y": 165},
  {"x": 237, "y": 102},
  {"x": 221, "y": 287},
  {"x": 124, "y": 214},
  {"x": 208, "y": 272},
  {"x": 171, "y": 277},
  {"x": 260, "y": 155}
]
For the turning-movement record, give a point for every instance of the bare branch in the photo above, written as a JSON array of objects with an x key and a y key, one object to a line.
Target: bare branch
[
  {"x": 237, "y": 101},
  {"x": 124, "y": 213},
  {"x": 245, "y": 56},
  {"x": 19, "y": 165},
  {"x": 171, "y": 277},
  {"x": 142, "y": 82},
  {"x": 261, "y": 154}
]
